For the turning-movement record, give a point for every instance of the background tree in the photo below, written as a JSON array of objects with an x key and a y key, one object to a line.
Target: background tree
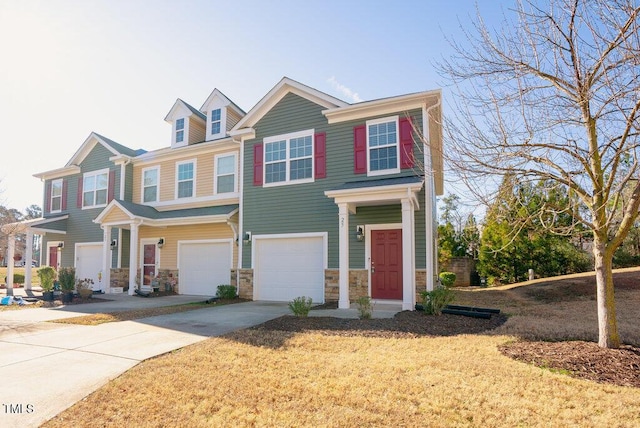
[{"x": 554, "y": 95}]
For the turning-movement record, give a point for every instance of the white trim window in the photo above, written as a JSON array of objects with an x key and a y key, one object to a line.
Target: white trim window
[
  {"x": 216, "y": 121},
  {"x": 185, "y": 179},
  {"x": 383, "y": 146},
  {"x": 95, "y": 187},
  {"x": 180, "y": 129},
  {"x": 150, "y": 181},
  {"x": 225, "y": 173},
  {"x": 56, "y": 196},
  {"x": 288, "y": 158}
]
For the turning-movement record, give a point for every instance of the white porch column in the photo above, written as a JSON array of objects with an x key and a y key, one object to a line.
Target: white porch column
[
  {"x": 133, "y": 258},
  {"x": 343, "y": 233},
  {"x": 11, "y": 250},
  {"x": 29, "y": 261},
  {"x": 408, "y": 274},
  {"x": 106, "y": 261}
]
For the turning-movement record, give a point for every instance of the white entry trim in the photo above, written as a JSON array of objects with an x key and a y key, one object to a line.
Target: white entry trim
[
  {"x": 143, "y": 242},
  {"x": 367, "y": 248}
]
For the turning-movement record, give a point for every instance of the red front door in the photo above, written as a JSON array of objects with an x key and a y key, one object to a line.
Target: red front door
[
  {"x": 148, "y": 263},
  {"x": 386, "y": 264},
  {"x": 53, "y": 257}
]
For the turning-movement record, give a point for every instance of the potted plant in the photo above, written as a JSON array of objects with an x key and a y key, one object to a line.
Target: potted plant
[
  {"x": 47, "y": 274},
  {"x": 67, "y": 279}
]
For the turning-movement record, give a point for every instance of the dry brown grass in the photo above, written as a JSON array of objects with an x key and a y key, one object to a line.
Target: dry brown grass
[{"x": 261, "y": 377}]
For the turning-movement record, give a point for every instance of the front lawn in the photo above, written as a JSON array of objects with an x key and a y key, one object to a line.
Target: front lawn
[{"x": 297, "y": 372}]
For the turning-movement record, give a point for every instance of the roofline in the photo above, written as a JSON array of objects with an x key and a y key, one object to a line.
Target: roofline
[
  {"x": 176, "y": 221},
  {"x": 283, "y": 87},
  {"x": 381, "y": 106},
  {"x": 58, "y": 173}
]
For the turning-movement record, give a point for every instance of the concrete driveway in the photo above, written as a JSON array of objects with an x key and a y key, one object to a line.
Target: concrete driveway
[{"x": 46, "y": 367}]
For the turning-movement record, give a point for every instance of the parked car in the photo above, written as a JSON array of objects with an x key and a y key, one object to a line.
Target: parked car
[{"x": 21, "y": 263}]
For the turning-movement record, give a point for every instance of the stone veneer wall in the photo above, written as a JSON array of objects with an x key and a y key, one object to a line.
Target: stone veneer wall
[
  {"x": 243, "y": 278},
  {"x": 120, "y": 278},
  {"x": 359, "y": 284},
  {"x": 168, "y": 278}
]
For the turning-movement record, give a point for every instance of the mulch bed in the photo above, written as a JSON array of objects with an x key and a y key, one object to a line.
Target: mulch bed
[{"x": 583, "y": 360}]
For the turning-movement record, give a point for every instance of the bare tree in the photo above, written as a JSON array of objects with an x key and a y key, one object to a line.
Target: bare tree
[{"x": 555, "y": 95}]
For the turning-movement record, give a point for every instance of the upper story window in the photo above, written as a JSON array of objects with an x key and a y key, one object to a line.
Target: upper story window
[
  {"x": 180, "y": 130},
  {"x": 56, "y": 196},
  {"x": 288, "y": 158},
  {"x": 382, "y": 146},
  {"x": 225, "y": 173},
  {"x": 216, "y": 121},
  {"x": 150, "y": 178},
  {"x": 95, "y": 186},
  {"x": 185, "y": 179}
]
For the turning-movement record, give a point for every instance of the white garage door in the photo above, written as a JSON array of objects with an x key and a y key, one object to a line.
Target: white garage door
[
  {"x": 286, "y": 268},
  {"x": 89, "y": 263},
  {"x": 203, "y": 266}
]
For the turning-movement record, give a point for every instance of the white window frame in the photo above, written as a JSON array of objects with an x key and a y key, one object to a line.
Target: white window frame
[
  {"x": 95, "y": 174},
  {"x": 396, "y": 145},
  {"x": 287, "y": 160},
  {"x": 185, "y": 132},
  {"x": 52, "y": 196},
  {"x": 177, "y": 181},
  {"x": 216, "y": 175},
  {"x": 218, "y": 121},
  {"x": 142, "y": 185}
]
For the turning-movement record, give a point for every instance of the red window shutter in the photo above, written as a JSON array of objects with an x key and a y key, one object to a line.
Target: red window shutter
[
  {"x": 406, "y": 143},
  {"x": 320, "y": 155},
  {"x": 79, "y": 193},
  {"x": 47, "y": 198},
  {"x": 360, "y": 149},
  {"x": 257, "y": 164},
  {"x": 112, "y": 186},
  {"x": 65, "y": 185}
]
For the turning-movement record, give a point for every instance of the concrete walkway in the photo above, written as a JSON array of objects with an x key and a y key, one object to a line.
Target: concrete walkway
[{"x": 47, "y": 367}]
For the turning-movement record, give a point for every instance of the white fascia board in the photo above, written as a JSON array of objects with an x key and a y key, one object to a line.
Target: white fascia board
[
  {"x": 243, "y": 133},
  {"x": 374, "y": 194},
  {"x": 58, "y": 173},
  {"x": 383, "y": 106},
  {"x": 169, "y": 153}
]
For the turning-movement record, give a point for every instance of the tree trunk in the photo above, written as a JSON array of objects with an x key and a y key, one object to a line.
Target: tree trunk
[{"x": 607, "y": 324}]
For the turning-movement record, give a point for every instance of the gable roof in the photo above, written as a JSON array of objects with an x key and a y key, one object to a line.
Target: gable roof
[
  {"x": 189, "y": 107},
  {"x": 217, "y": 93},
  {"x": 284, "y": 87},
  {"x": 90, "y": 142}
]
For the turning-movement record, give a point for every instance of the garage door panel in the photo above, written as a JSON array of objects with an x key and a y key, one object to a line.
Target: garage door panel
[
  {"x": 204, "y": 266},
  {"x": 287, "y": 268}
]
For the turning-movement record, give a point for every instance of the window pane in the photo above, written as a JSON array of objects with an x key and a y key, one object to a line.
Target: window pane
[
  {"x": 300, "y": 147},
  {"x": 275, "y": 172},
  {"x": 383, "y": 158},
  {"x": 56, "y": 188},
  {"x": 101, "y": 197},
  {"x": 179, "y": 124},
  {"x": 275, "y": 151},
  {"x": 226, "y": 165},
  {"x": 185, "y": 171},
  {"x": 102, "y": 181},
  {"x": 179, "y": 136},
  {"x": 215, "y": 115},
  {"x": 151, "y": 177},
  {"x": 185, "y": 189},
  {"x": 56, "y": 203},
  {"x": 300, "y": 169},
  {"x": 89, "y": 183},
  {"x": 150, "y": 194},
  {"x": 215, "y": 128},
  {"x": 87, "y": 199},
  {"x": 226, "y": 184}
]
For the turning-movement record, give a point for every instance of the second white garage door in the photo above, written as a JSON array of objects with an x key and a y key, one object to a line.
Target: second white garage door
[
  {"x": 287, "y": 267},
  {"x": 203, "y": 265}
]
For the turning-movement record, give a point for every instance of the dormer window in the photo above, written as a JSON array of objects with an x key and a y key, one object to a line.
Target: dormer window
[
  {"x": 216, "y": 121},
  {"x": 180, "y": 130}
]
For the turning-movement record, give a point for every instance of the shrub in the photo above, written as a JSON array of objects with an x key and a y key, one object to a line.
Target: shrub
[
  {"x": 447, "y": 279},
  {"x": 226, "y": 291},
  {"x": 365, "y": 307},
  {"x": 18, "y": 278},
  {"x": 46, "y": 274},
  {"x": 434, "y": 301},
  {"x": 300, "y": 306},
  {"x": 67, "y": 278}
]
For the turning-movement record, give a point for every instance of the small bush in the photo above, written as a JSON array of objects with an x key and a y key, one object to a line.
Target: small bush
[
  {"x": 18, "y": 278},
  {"x": 447, "y": 279},
  {"x": 365, "y": 307},
  {"x": 226, "y": 291},
  {"x": 67, "y": 278},
  {"x": 434, "y": 301},
  {"x": 300, "y": 306},
  {"x": 46, "y": 274}
]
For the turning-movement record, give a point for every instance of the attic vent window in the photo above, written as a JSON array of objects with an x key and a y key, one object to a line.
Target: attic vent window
[
  {"x": 179, "y": 130},
  {"x": 216, "y": 121}
]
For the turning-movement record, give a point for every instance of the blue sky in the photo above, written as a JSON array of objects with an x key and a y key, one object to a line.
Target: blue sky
[{"x": 116, "y": 67}]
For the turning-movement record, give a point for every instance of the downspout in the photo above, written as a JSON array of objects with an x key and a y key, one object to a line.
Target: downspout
[
  {"x": 239, "y": 226},
  {"x": 429, "y": 201}
]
